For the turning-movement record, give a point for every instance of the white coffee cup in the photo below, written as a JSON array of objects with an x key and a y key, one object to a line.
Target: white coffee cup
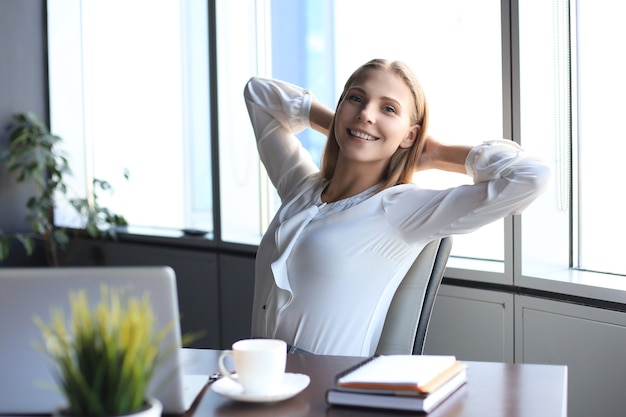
[{"x": 259, "y": 364}]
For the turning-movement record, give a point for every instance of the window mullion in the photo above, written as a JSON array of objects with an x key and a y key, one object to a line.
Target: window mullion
[{"x": 511, "y": 125}]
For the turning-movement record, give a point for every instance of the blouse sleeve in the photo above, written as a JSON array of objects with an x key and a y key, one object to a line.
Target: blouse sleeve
[
  {"x": 506, "y": 181},
  {"x": 278, "y": 110}
]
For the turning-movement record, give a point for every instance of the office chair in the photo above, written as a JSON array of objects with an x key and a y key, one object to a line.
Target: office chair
[{"x": 406, "y": 324}]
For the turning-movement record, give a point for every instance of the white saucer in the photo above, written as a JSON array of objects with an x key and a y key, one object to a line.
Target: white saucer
[{"x": 291, "y": 385}]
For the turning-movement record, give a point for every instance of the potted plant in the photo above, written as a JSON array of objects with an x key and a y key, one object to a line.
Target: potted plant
[
  {"x": 33, "y": 156},
  {"x": 105, "y": 357}
]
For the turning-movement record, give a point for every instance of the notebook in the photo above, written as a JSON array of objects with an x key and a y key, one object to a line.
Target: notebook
[
  {"x": 411, "y": 374},
  {"x": 26, "y": 375}
]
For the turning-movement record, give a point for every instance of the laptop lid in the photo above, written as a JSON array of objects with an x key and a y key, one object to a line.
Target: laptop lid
[{"x": 26, "y": 375}]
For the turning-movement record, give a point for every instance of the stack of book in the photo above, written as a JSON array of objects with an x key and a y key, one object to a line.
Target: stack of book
[{"x": 400, "y": 382}]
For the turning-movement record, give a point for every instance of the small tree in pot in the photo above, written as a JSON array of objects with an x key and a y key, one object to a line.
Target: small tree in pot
[{"x": 33, "y": 156}]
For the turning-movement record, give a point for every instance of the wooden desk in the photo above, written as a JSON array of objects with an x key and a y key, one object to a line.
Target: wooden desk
[{"x": 492, "y": 390}]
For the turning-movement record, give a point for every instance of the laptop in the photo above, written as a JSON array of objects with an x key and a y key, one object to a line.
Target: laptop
[{"x": 27, "y": 382}]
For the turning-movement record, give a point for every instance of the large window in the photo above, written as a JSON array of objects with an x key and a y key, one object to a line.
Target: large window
[
  {"x": 571, "y": 105},
  {"x": 131, "y": 91},
  {"x": 130, "y": 94}
]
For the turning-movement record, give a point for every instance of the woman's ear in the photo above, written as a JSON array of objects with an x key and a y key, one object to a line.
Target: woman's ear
[{"x": 411, "y": 137}]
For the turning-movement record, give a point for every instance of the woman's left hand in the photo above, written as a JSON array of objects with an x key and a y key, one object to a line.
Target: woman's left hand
[{"x": 436, "y": 155}]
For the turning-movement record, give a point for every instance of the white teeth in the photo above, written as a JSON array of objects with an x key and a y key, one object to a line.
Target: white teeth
[{"x": 362, "y": 135}]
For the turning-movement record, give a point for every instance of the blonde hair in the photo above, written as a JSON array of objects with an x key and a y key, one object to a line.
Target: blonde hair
[{"x": 403, "y": 162}]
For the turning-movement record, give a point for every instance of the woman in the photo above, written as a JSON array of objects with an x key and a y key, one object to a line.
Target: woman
[{"x": 344, "y": 236}]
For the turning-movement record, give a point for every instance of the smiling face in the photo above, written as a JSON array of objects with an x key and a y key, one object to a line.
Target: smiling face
[{"x": 374, "y": 118}]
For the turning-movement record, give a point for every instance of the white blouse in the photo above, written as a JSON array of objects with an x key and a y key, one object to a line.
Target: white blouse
[{"x": 326, "y": 272}]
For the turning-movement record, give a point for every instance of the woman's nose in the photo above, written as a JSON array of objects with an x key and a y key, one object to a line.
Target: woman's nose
[{"x": 365, "y": 114}]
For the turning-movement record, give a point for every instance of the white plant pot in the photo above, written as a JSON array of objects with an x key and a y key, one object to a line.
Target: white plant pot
[{"x": 154, "y": 409}]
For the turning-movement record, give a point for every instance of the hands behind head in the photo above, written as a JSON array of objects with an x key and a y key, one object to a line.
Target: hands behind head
[{"x": 436, "y": 155}]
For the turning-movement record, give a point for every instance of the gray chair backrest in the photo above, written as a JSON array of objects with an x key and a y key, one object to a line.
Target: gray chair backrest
[{"x": 406, "y": 324}]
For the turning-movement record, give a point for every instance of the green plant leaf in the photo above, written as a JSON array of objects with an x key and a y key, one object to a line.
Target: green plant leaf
[
  {"x": 39, "y": 226},
  {"x": 60, "y": 235},
  {"x": 93, "y": 230},
  {"x": 5, "y": 247},
  {"x": 27, "y": 242}
]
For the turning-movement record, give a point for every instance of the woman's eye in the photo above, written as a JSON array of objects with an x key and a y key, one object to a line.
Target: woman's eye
[
  {"x": 389, "y": 109},
  {"x": 356, "y": 99}
]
